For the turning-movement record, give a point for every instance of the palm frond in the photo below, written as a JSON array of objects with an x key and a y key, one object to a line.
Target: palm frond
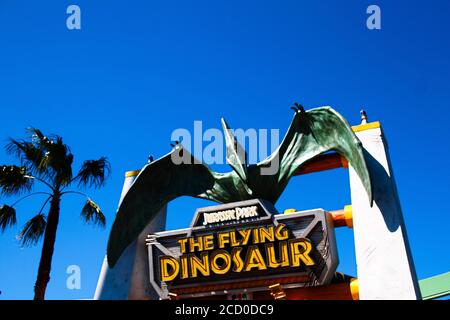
[
  {"x": 30, "y": 155},
  {"x": 33, "y": 230},
  {"x": 7, "y": 217},
  {"x": 61, "y": 159},
  {"x": 93, "y": 173},
  {"x": 91, "y": 213},
  {"x": 14, "y": 180},
  {"x": 38, "y": 138},
  {"x": 55, "y": 159}
]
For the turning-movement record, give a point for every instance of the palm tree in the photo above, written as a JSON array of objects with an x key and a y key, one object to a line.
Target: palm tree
[{"x": 48, "y": 161}]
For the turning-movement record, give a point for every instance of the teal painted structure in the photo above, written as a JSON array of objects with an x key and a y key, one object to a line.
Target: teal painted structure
[{"x": 435, "y": 287}]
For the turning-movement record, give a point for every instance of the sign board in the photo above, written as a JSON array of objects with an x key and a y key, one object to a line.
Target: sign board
[{"x": 243, "y": 245}]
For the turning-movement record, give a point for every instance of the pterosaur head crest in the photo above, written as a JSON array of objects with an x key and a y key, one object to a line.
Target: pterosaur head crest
[{"x": 235, "y": 153}]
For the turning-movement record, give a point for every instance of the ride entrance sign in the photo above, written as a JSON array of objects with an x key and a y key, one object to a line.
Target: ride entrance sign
[{"x": 243, "y": 245}]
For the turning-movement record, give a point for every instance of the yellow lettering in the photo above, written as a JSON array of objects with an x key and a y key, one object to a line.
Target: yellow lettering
[
  {"x": 234, "y": 241},
  {"x": 195, "y": 244},
  {"x": 254, "y": 259},
  {"x": 281, "y": 233},
  {"x": 271, "y": 258},
  {"x": 238, "y": 262},
  {"x": 208, "y": 242},
  {"x": 224, "y": 238},
  {"x": 184, "y": 267},
  {"x": 245, "y": 233},
  {"x": 255, "y": 236},
  {"x": 226, "y": 262},
  {"x": 300, "y": 254},
  {"x": 266, "y": 234},
  {"x": 166, "y": 262},
  {"x": 182, "y": 243},
  {"x": 199, "y": 265}
]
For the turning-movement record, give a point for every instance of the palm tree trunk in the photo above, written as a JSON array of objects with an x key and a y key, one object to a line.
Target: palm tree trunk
[{"x": 45, "y": 264}]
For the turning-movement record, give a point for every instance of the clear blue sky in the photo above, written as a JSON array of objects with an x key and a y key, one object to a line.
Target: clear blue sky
[{"x": 140, "y": 69}]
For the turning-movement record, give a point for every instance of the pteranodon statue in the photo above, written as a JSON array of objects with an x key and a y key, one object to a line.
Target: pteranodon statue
[{"x": 311, "y": 133}]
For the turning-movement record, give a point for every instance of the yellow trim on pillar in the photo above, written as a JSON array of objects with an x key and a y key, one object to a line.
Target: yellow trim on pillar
[
  {"x": 348, "y": 213},
  {"x": 366, "y": 126},
  {"x": 354, "y": 288},
  {"x": 132, "y": 173}
]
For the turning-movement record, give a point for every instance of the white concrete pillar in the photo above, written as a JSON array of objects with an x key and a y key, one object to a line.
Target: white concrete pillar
[
  {"x": 384, "y": 263},
  {"x": 128, "y": 280}
]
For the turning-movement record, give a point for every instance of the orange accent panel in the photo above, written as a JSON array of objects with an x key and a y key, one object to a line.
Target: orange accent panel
[
  {"x": 338, "y": 218},
  {"x": 322, "y": 163}
]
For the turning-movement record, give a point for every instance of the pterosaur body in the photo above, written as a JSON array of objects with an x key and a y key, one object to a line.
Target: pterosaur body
[{"x": 310, "y": 134}]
